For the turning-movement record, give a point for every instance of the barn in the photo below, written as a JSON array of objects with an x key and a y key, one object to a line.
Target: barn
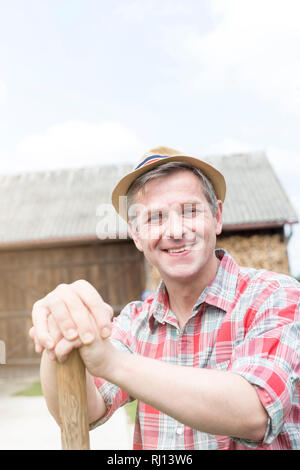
[{"x": 58, "y": 226}]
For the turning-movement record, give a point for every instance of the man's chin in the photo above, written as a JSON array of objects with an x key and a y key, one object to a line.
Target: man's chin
[{"x": 180, "y": 274}]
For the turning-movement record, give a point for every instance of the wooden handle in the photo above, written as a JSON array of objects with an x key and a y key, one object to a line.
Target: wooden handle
[{"x": 71, "y": 383}]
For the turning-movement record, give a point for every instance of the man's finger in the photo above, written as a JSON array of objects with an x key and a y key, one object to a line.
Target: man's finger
[
  {"x": 100, "y": 310},
  {"x": 37, "y": 346},
  {"x": 40, "y": 314},
  {"x": 54, "y": 330},
  {"x": 61, "y": 314},
  {"x": 64, "y": 347},
  {"x": 71, "y": 315}
]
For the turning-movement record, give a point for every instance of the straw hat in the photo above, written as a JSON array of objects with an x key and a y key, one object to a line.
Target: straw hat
[{"x": 159, "y": 156}]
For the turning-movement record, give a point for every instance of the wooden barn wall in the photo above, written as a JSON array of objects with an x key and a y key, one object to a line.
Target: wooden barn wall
[
  {"x": 260, "y": 250},
  {"x": 115, "y": 269}
]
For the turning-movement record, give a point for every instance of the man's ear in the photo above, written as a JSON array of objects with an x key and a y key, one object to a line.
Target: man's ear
[
  {"x": 219, "y": 218},
  {"x": 133, "y": 230}
]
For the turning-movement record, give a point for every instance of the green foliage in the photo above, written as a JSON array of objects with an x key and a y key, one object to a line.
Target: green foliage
[
  {"x": 131, "y": 410},
  {"x": 33, "y": 391}
]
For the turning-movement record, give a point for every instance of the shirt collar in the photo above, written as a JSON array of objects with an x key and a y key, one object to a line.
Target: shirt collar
[
  {"x": 160, "y": 305},
  {"x": 219, "y": 293}
]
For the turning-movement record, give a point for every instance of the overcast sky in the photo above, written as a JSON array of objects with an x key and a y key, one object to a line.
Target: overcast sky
[{"x": 89, "y": 82}]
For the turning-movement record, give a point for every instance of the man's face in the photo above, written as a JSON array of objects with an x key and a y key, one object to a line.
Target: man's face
[{"x": 175, "y": 227}]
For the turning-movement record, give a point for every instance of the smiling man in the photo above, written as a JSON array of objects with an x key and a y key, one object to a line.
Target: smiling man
[
  {"x": 176, "y": 227},
  {"x": 213, "y": 355}
]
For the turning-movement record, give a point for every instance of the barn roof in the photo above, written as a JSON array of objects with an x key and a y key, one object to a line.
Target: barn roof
[
  {"x": 66, "y": 205},
  {"x": 255, "y": 196}
]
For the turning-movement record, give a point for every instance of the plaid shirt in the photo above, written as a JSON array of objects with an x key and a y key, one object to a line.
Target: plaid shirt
[{"x": 246, "y": 321}]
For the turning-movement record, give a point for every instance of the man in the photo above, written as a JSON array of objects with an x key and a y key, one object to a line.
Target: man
[{"x": 213, "y": 357}]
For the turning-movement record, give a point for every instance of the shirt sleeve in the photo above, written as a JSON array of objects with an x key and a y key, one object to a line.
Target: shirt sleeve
[
  {"x": 269, "y": 358},
  {"x": 114, "y": 397}
]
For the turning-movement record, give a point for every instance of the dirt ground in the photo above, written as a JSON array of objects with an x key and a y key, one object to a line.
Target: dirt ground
[{"x": 25, "y": 423}]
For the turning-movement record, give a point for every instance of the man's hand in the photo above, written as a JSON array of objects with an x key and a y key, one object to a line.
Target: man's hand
[{"x": 71, "y": 316}]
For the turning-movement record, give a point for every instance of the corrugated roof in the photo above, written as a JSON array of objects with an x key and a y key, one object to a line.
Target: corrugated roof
[
  {"x": 254, "y": 192},
  {"x": 66, "y": 204}
]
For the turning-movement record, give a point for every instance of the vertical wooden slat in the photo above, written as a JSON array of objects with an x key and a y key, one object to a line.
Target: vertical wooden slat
[{"x": 71, "y": 384}]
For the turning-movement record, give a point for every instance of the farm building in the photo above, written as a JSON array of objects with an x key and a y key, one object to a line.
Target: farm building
[{"x": 58, "y": 226}]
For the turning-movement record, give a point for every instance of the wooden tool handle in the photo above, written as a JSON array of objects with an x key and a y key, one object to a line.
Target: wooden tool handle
[{"x": 71, "y": 383}]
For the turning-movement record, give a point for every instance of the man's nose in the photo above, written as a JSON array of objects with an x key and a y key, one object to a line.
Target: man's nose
[{"x": 174, "y": 227}]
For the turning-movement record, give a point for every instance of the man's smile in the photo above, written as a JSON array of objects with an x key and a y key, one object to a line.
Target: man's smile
[{"x": 181, "y": 249}]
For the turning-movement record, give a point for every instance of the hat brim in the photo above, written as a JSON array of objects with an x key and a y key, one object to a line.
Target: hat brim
[{"x": 121, "y": 189}]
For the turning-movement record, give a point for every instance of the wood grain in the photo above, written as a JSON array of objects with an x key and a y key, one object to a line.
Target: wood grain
[
  {"x": 71, "y": 383},
  {"x": 115, "y": 269}
]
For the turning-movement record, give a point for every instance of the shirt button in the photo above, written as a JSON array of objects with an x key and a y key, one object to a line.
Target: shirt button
[{"x": 179, "y": 431}]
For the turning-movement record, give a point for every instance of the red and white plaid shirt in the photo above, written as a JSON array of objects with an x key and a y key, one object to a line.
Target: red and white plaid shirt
[{"x": 246, "y": 321}]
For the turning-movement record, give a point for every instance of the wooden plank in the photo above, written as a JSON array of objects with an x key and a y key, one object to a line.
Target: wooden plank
[
  {"x": 71, "y": 384},
  {"x": 15, "y": 313},
  {"x": 76, "y": 264}
]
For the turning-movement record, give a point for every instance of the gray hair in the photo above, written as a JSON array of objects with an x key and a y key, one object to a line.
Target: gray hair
[{"x": 167, "y": 169}]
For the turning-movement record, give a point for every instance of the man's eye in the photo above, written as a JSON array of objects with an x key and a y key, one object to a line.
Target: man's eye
[
  {"x": 190, "y": 211},
  {"x": 155, "y": 217}
]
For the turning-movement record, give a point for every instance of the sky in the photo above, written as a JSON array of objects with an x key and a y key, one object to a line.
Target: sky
[{"x": 92, "y": 82}]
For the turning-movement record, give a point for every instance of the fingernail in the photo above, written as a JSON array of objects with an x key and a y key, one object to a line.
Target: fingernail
[
  {"x": 88, "y": 338},
  {"x": 49, "y": 344},
  {"x": 105, "y": 332},
  {"x": 71, "y": 334}
]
